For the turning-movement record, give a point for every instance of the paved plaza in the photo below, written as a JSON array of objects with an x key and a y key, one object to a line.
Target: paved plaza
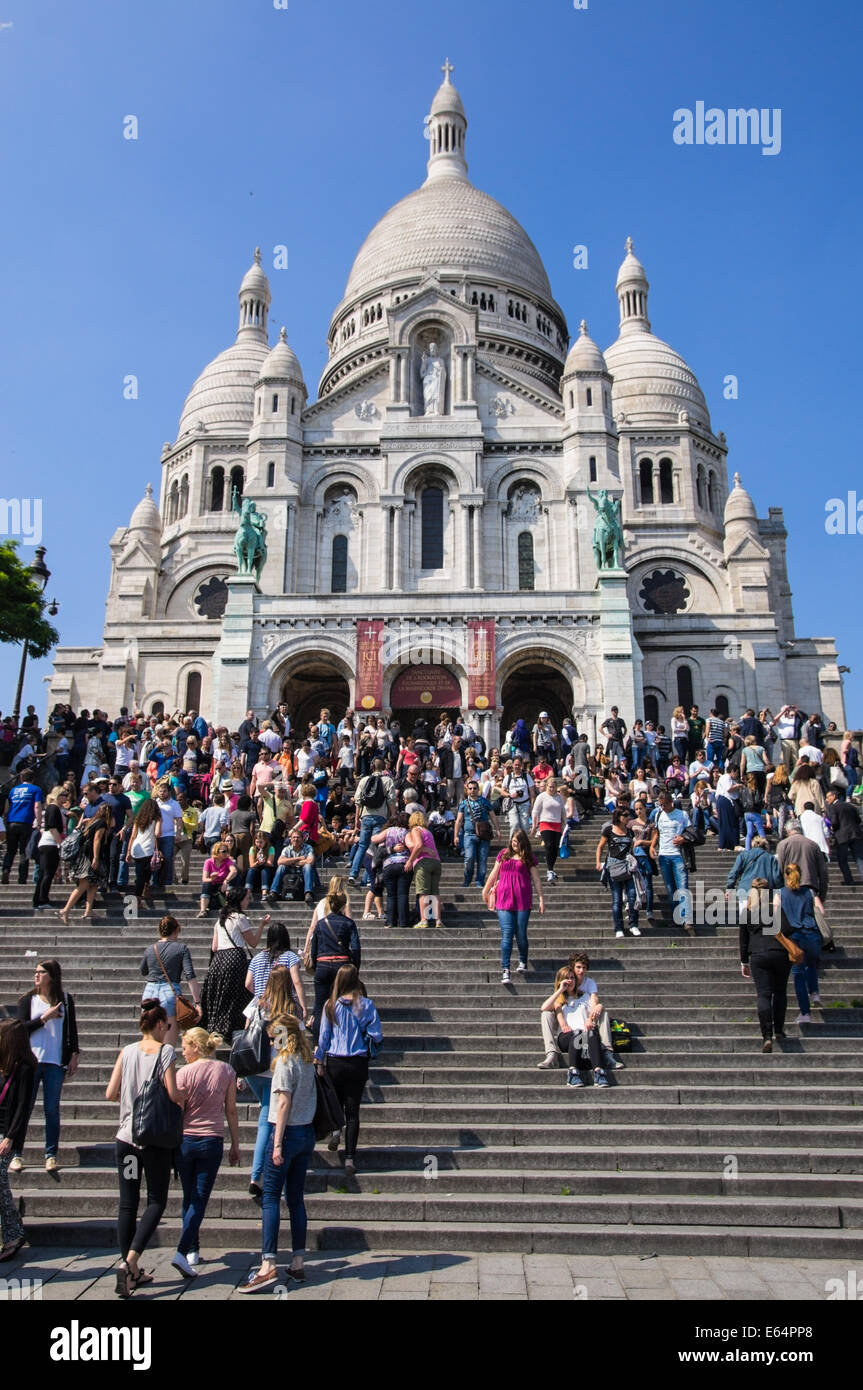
[{"x": 387, "y": 1275}]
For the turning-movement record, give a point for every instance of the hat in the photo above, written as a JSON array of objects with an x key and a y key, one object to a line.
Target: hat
[
  {"x": 543, "y": 714},
  {"x": 226, "y": 784},
  {"x": 97, "y": 781}
]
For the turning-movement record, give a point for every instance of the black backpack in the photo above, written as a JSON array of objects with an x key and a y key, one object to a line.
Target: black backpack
[{"x": 374, "y": 794}]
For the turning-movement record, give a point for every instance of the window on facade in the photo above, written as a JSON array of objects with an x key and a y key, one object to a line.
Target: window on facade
[
  {"x": 158, "y": 708},
  {"x": 271, "y": 475},
  {"x": 712, "y": 494},
  {"x": 589, "y": 394},
  {"x": 666, "y": 483},
  {"x": 217, "y": 489},
  {"x": 184, "y": 494},
  {"x": 275, "y": 404},
  {"x": 339, "y": 581},
  {"x": 193, "y": 691},
  {"x": 651, "y": 709},
  {"x": 645, "y": 475},
  {"x": 432, "y": 529},
  {"x": 701, "y": 488},
  {"x": 238, "y": 482},
  {"x": 525, "y": 561},
  {"x": 592, "y": 469},
  {"x": 684, "y": 687},
  {"x": 664, "y": 591},
  {"x": 721, "y": 706}
]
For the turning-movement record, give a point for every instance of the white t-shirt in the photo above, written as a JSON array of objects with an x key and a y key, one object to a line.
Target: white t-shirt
[
  {"x": 231, "y": 934},
  {"x": 169, "y": 811},
  {"x": 517, "y": 787},
  {"x": 669, "y": 824},
  {"x": 305, "y": 762},
  {"x": 456, "y": 766},
  {"x": 814, "y": 754},
  {"x": 576, "y": 1008},
  {"x": 723, "y": 786},
  {"x": 346, "y": 756},
  {"x": 812, "y": 826},
  {"x": 270, "y": 739},
  {"x": 785, "y": 728},
  {"x": 46, "y": 1043}
]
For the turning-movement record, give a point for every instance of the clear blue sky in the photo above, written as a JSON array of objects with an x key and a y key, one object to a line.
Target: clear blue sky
[{"x": 260, "y": 126}]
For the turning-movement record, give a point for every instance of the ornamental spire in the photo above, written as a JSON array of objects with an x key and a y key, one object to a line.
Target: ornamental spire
[{"x": 445, "y": 129}]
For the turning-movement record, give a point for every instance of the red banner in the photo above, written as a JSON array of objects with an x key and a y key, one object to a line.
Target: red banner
[
  {"x": 425, "y": 686},
  {"x": 370, "y": 673},
  {"x": 480, "y": 663}
]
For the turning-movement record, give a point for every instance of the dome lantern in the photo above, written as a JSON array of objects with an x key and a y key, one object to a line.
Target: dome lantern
[
  {"x": 632, "y": 287},
  {"x": 446, "y": 125},
  {"x": 254, "y": 297}
]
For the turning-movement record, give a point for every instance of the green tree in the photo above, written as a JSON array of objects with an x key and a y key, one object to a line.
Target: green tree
[{"x": 21, "y": 613}]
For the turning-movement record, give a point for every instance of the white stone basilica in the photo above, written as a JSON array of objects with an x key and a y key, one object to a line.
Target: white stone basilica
[{"x": 430, "y": 517}]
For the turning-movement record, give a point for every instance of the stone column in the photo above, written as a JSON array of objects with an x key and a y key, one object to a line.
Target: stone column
[
  {"x": 232, "y": 659},
  {"x": 397, "y": 551},
  {"x": 464, "y": 567},
  {"x": 477, "y": 548}
]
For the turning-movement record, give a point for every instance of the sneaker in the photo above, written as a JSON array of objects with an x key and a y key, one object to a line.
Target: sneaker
[
  {"x": 549, "y": 877},
  {"x": 573, "y": 1078},
  {"x": 258, "y": 1281},
  {"x": 551, "y": 1063},
  {"x": 767, "y": 1045},
  {"x": 334, "y": 1141},
  {"x": 651, "y": 919},
  {"x": 612, "y": 1063},
  {"x": 619, "y": 933},
  {"x": 505, "y": 977},
  {"x": 521, "y": 968},
  {"x": 780, "y": 1037},
  {"x": 194, "y": 1258},
  {"x": 182, "y": 1264},
  {"x": 634, "y": 931},
  {"x": 418, "y": 926},
  {"x": 51, "y": 1164},
  {"x": 815, "y": 998},
  {"x": 310, "y": 902},
  {"x": 350, "y": 1167},
  {"x": 803, "y": 1018},
  {"x": 17, "y": 1165},
  {"x": 599, "y": 1077},
  {"x": 352, "y": 881}
]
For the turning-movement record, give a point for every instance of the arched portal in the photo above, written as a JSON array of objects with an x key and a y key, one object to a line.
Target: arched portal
[
  {"x": 424, "y": 692},
  {"x": 315, "y": 685},
  {"x": 532, "y": 687}
]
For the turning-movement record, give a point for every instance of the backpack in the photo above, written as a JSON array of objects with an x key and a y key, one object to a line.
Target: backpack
[
  {"x": 374, "y": 794},
  {"x": 71, "y": 846}
]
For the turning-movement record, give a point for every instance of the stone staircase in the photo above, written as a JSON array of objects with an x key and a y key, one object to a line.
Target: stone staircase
[{"x": 702, "y": 1145}]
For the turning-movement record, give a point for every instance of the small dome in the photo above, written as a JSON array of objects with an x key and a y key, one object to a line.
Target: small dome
[
  {"x": 255, "y": 281},
  {"x": 146, "y": 517},
  {"x": 651, "y": 379},
  {"x": 446, "y": 97},
  {"x": 223, "y": 395},
  {"x": 739, "y": 506},
  {"x": 584, "y": 355},
  {"x": 631, "y": 268},
  {"x": 281, "y": 363}
]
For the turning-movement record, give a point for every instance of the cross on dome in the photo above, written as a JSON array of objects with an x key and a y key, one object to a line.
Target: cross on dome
[
  {"x": 582, "y": 328},
  {"x": 446, "y": 69},
  {"x": 257, "y": 255}
]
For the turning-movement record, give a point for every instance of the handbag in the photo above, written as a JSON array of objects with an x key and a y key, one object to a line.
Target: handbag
[
  {"x": 618, "y": 869},
  {"x": 795, "y": 955},
  {"x": 825, "y": 929},
  {"x": 187, "y": 1011},
  {"x": 156, "y": 1121},
  {"x": 251, "y": 1049},
  {"x": 156, "y": 860},
  {"x": 71, "y": 846},
  {"x": 329, "y": 1115}
]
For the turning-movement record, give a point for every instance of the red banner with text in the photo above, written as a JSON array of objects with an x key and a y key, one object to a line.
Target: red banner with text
[
  {"x": 480, "y": 663},
  {"x": 370, "y": 671}
]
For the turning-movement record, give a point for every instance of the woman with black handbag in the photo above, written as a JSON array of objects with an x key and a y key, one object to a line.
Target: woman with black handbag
[
  {"x": 764, "y": 959},
  {"x": 143, "y": 1064},
  {"x": 335, "y": 942},
  {"x": 617, "y": 872}
]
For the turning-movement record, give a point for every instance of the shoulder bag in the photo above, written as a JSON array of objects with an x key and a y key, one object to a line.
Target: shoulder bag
[
  {"x": 329, "y": 1115},
  {"x": 795, "y": 955},
  {"x": 187, "y": 1012},
  {"x": 157, "y": 1122},
  {"x": 251, "y": 1050}
]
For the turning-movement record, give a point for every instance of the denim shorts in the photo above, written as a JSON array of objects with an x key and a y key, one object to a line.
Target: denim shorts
[{"x": 166, "y": 995}]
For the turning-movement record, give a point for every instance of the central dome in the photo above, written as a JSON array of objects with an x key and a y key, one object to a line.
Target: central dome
[{"x": 448, "y": 225}]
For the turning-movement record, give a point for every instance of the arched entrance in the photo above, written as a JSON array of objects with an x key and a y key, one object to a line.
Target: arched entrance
[
  {"x": 533, "y": 687},
  {"x": 314, "y": 686},
  {"x": 424, "y": 692}
]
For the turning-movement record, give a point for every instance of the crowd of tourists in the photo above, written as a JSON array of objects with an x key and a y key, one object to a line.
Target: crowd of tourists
[{"x": 375, "y": 810}]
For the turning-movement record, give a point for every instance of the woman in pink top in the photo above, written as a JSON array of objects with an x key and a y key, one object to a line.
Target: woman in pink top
[
  {"x": 510, "y": 890},
  {"x": 425, "y": 860},
  {"x": 216, "y": 873},
  {"x": 209, "y": 1090}
]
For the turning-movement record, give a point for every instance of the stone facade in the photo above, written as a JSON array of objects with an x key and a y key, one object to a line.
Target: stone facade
[{"x": 434, "y": 515}]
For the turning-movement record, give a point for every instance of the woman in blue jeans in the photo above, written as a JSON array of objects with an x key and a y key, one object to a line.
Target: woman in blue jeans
[
  {"x": 277, "y": 998},
  {"x": 209, "y": 1090},
  {"x": 618, "y": 842},
  {"x": 798, "y": 922},
  {"x": 293, "y": 1102},
  {"x": 48, "y": 1014},
  {"x": 510, "y": 890}
]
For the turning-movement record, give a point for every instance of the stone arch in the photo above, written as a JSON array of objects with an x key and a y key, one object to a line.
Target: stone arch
[
  {"x": 410, "y": 470},
  {"x": 423, "y": 314},
  {"x": 528, "y": 470},
  {"x": 574, "y": 665},
  {"x": 344, "y": 472},
  {"x": 310, "y": 675}
]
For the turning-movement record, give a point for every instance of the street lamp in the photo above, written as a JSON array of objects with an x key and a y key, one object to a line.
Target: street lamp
[{"x": 40, "y": 575}]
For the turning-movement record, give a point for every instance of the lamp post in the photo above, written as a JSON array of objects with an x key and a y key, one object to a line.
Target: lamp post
[{"x": 40, "y": 575}]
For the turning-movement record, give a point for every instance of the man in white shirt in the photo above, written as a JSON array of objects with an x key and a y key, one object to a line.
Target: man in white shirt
[
  {"x": 172, "y": 825},
  {"x": 814, "y": 754},
  {"x": 813, "y": 827},
  {"x": 665, "y": 848},
  {"x": 518, "y": 785},
  {"x": 269, "y": 738}
]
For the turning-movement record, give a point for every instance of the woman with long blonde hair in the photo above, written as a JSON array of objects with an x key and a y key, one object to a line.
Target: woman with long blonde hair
[
  {"x": 293, "y": 1101},
  {"x": 680, "y": 733}
]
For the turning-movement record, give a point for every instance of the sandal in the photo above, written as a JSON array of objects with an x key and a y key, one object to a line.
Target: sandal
[
  {"x": 124, "y": 1287},
  {"x": 140, "y": 1279}
]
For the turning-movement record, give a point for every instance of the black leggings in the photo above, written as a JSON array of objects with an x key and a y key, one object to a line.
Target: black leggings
[
  {"x": 551, "y": 840},
  {"x": 49, "y": 860},
  {"x": 157, "y": 1165},
  {"x": 566, "y": 1043},
  {"x": 770, "y": 972},
  {"x": 325, "y": 978},
  {"x": 349, "y": 1076}
]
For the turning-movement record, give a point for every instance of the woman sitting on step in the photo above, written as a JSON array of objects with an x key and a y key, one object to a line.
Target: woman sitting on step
[
  {"x": 577, "y": 1013},
  {"x": 574, "y": 980}
]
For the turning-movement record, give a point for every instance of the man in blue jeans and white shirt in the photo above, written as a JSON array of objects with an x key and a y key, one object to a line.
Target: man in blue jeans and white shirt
[
  {"x": 665, "y": 847},
  {"x": 374, "y": 799}
]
